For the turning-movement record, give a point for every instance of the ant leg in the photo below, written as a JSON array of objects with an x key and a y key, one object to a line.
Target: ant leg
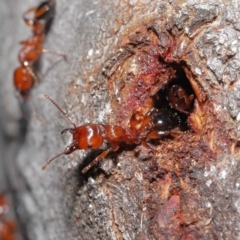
[
  {"x": 64, "y": 56},
  {"x": 157, "y": 134},
  {"x": 147, "y": 119},
  {"x": 29, "y": 22},
  {"x": 183, "y": 111},
  {"x": 141, "y": 122},
  {"x": 133, "y": 121},
  {"x": 175, "y": 132},
  {"x": 146, "y": 145},
  {"x": 160, "y": 134},
  {"x": 33, "y": 74},
  {"x": 114, "y": 148},
  {"x": 96, "y": 160}
]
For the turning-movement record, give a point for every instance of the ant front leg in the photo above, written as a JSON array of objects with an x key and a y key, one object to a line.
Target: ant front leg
[
  {"x": 99, "y": 158},
  {"x": 96, "y": 160}
]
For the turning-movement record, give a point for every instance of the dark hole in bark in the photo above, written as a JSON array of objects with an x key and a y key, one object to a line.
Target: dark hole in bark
[{"x": 162, "y": 100}]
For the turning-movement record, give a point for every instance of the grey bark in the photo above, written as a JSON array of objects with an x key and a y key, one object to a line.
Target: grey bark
[{"x": 61, "y": 203}]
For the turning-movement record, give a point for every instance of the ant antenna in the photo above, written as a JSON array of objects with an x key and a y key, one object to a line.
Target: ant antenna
[
  {"x": 50, "y": 160},
  {"x": 64, "y": 114}
]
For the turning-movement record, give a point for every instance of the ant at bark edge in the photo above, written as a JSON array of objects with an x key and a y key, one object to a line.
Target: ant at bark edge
[
  {"x": 156, "y": 124},
  {"x": 25, "y": 76}
]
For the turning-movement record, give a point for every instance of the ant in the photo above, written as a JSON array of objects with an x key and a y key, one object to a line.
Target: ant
[
  {"x": 154, "y": 125},
  {"x": 24, "y": 76},
  {"x": 7, "y": 227},
  {"x": 179, "y": 99}
]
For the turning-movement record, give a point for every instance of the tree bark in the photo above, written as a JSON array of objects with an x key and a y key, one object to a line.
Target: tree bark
[{"x": 189, "y": 187}]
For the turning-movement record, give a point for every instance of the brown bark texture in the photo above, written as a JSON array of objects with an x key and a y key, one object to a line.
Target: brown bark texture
[{"x": 189, "y": 188}]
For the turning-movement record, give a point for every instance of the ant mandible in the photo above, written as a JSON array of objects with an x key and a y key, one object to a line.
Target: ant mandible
[
  {"x": 92, "y": 136},
  {"x": 24, "y": 76}
]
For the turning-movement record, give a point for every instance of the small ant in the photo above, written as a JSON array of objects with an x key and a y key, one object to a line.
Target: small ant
[
  {"x": 7, "y": 227},
  {"x": 179, "y": 99},
  {"x": 24, "y": 76},
  {"x": 156, "y": 124}
]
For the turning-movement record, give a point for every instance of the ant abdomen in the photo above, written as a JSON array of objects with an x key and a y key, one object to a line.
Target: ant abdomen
[{"x": 23, "y": 80}]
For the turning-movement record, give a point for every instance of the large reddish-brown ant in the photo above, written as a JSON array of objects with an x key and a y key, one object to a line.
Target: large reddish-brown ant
[
  {"x": 154, "y": 125},
  {"x": 7, "y": 227},
  {"x": 25, "y": 76}
]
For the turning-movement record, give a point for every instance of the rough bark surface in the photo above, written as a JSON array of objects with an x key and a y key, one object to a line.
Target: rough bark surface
[{"x": 189, "y": 189}]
